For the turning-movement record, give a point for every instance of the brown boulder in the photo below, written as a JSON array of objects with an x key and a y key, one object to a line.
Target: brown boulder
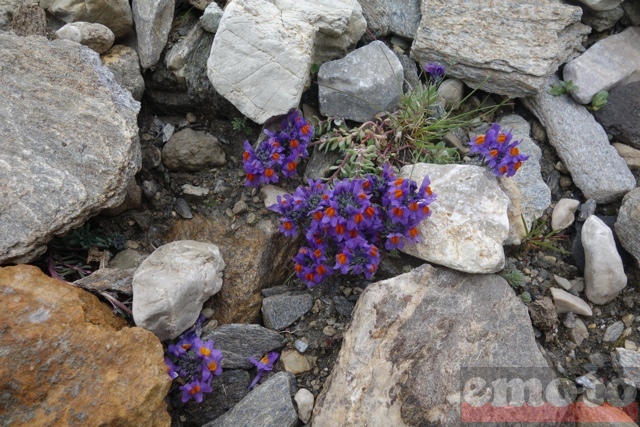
[
  {"x": 256, "y": 257},
  {"x": 67, "y": 360}
]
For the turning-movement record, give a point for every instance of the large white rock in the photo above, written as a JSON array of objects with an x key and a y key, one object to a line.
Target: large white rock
[
  {"x": 508, "y": 47},
  {"x": 171, "y": 285},
  {"x": 603, "y": 271},
  {"x": 95, "y": 36},
  {"x": 409, "y": 336},
  {"x": 68, "y": 142},
  {"x": 613, "y": 61},
  {"x": 583, "y": 146},
  {"x": 263, "y": 50},
  {"x": 469, "y": 219},
  {"x": 153, "y": 22},
  {"x": 564, "y": 213}
]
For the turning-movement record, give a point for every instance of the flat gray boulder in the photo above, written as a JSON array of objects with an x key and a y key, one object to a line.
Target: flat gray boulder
[
  {"x": 401, "y": 358},
  {"x": 153, "y": 22},
  {"x": 583, "y": 146},
  {"x": 69, "y": 142},
  {"x": 510, "y": 48},
  {"x": 365, "y": 82},
  {"x": 263, "y": 50}
]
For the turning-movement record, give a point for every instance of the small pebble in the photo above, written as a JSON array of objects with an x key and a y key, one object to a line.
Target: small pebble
[
  {"x": 592, "y": 326},
  {"x": 229, "y": 213},
  {"x": 182, "y": 208},
  {"x": 329, "y": 331},
  {"x": 331, "y": 321},
  {"x": 207, "y": 313},
  {"x": 191, "y": 118},
  {"x": 240, "y": 207},
  {"x": 613, "y": 332},
  {"x": 301, "y": 346},
  {"x": 347, "y": 291},
  {"x": 628, "y": 320},
  {"x": 132, "y": 244},
  {"x": 630, "y": 345},
  {"x": 598, "y": 359},
  {"x": 255, "y": 199},
  {"x": 251, "y": 218}
]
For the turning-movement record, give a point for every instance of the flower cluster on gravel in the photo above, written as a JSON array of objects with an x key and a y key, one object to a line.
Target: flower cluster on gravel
[
  {"x": 280, "y": 154},
  {"x": 346, "y": 225},
  {"x": 499, "y": 151},
  {"x": 195, "y": 362}
]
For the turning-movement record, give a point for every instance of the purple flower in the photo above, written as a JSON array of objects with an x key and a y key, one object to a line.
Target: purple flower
[
  {"x": 171, "y": 368},
  {"x": 194, "y": 390},
  {"x": 498, "y": 151},
  {"x": 436, "y": 71},
  {"x": 263, "y": 365}
]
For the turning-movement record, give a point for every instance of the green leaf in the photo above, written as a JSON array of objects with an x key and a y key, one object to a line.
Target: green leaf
[
  {"x": 314, "y": 68},
  {"x": 599, "y": 100}
]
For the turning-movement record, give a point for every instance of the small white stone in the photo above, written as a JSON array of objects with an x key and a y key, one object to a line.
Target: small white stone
[
  {"x": 270, "y": 194},
  {"x": 562, "y": 282},
  {"x": 630, "y": 345},
  {"x": 192, "y": 190},
  {"x": 304, "y": 399},
  {"x": 452, "y": 91},
  {"x": 565, "y": 302},
  {"x": 564, "y": 214}
]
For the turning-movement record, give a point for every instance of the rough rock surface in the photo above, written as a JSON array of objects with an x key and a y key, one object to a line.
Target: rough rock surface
[
  {"x": 582, "y": 145},
  {"x": 470, "y": 39},
  {"x": 115, "y": 14},
  {"x": 124, "y": 63},
  {"x": 280, "y": 311},
  {"x": 22, "y": 18},
  {"x": 95, "y": 36},
  {"x": 363, "y": 83},
  {"x": 190, "y": 150},
  {"x": 536, "y": 195},
  {"x": 469, "y": 219},
  {"x": 400, "y": 361},
  {"x": 517, "y": 230},
  {"x": 255, "y": 258},
  {"x": 601, "y": 4},
  {"x": 171, "y": 285},
  {"x": 153, "y": 22},
  {"x": 269, "y": 404},
  {"x": 263, "y": 50},
  {"x": 69, "y": 141},
  {"x": 67, "y": 359},
  {"x": 621, "y": 116},
  {"x": 628, "y": 223},
  {"x": 627, "y": 362},
  {"x": 400, "y": 17},
  {"x": 610, "y": 62},
  {"x": 604, "y": 19},
  {"x": 238, "y": 342},
  {"x": 210, "y": 19},
  {"x": 603, "y": 272}
]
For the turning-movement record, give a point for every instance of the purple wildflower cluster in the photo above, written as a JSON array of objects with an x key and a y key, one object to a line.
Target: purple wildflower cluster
[
  {"x": 345, "y": 225},
  {"x": 263, "y": 365},
  {"x": 280, "y": 153},
  {"x": 499, "y": 151},
  {"x": 195, "y": 361},
  {"x": 436, "y": 71}
]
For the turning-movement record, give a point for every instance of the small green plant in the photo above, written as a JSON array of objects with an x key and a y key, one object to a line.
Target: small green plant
[
  {"x": 599, "y": 100},
  {"x": 239, "y": 124},
  {"x": 526, "y": 297},
  {"x": 562, "y": 88},
  {"x": 185, "y": 16},
  {"x": 514, "y": 278},
  {"x": 539, "y": 238}
]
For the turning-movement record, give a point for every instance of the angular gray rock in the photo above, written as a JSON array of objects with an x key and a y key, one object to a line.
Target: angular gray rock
[
  {"x": 536, "y": 195},
  {"x": 268, "y": 405},
  {"x": 95, "y": 36},
  {"x": 630, "y": 155},
  {"x": 263, "y": 50},
  {"x": 567, "y": 303},
  {"x": 238, "y": 342},
  {"x": 627, "y": 363},
  {"x": 603, "y": 272},
  {"x": 582, "y": 145},
  {"x": 115, "y": 14},
  {"x": 472, "y": 41},
  {"x": 602, "y": 20},
  {"x": 280, "y": 311},
  {"x": 469, "y": 219},
  {"x": 153, "y": 21},
  {"x": 190, "y": 150},
  {"x": 69, "y": 142},
  {"x": 171, "y": 285},
  {"x": 613, "y": 61},
  {"x": 632, "y": 12},
  {"x": 613, "y": 332},
  {"x": 401, "y": 356},
  {"x": 365, "y": 82},
  {"x": 210, "y": 19},
  {"x": 124, "y": 63},
  {"x": 400, "y": 17},
  {"x": 628, "y": 223},
  {"x": 601, "y": 4},
  {"x": 621, "y": 116}
]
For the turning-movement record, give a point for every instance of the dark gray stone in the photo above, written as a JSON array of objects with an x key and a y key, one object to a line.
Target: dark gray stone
[
  {"x": 400, "y": 17},
  {"x": 365, "y": 82},
  {"x": 239, "y": 342},
  {"x": 182, "y": 208},
  {"x": 228, "y": 389},
  {"x": 268, "y": 405},
  {"x": 106, "y": 279},
  {"x": 343, "y": 305},
  {"x": 620, "y": 117},
  {"x": 69, "y": 141},
  {"x": 280, "y": 311},
  {"x": 410, "y": 70},
  {"x": 603, "y": 19},
  {"x": 319, "y": 164}
]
